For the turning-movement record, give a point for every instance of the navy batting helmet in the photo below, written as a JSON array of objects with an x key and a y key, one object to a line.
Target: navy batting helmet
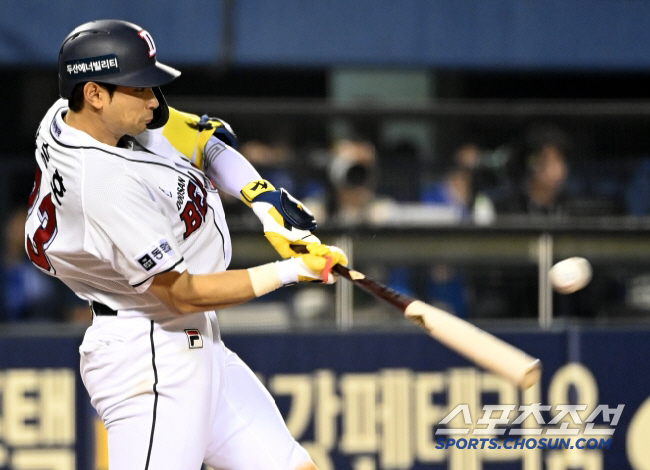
[{"x": 115, "y": 52}]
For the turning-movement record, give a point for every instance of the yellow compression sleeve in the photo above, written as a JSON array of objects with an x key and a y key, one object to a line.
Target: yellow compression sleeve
[{"x": 183, "y": 133}]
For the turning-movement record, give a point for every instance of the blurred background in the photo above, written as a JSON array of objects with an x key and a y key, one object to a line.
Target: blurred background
[{"x": 455, "y": 149}]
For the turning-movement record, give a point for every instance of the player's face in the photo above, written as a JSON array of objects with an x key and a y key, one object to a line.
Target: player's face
[{"x": 130, "y": 110}]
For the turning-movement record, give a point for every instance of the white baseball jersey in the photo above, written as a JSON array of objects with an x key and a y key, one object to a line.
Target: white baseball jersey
[{"x": 105, "y": 219}]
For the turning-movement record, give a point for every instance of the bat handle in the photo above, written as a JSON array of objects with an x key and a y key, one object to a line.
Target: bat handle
[
  {"x": 342, "y": 270},
  {"x": 337, "y": 268},
  {"x": 299, "y": 248},
  {"x": 371, "y": 286}
]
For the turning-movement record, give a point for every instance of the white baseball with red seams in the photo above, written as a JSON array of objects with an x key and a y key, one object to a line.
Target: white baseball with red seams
[{"x": 570, "y": 275}]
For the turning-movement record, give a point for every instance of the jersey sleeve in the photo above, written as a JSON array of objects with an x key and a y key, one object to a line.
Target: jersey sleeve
[
  {"x": 228, "y": 168},
  {"x": 126, "y": 227}
]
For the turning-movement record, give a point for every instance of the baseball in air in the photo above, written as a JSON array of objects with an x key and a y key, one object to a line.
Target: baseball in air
[{"x": 570, "y": 275}]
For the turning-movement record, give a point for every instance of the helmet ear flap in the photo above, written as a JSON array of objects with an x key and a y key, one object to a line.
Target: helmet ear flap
[{"x": 161, "y": 113}]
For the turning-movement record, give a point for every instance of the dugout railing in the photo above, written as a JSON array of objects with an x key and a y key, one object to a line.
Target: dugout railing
[
  {"x": 610, "y": 142},
  {"x": 510, "y": 255}
]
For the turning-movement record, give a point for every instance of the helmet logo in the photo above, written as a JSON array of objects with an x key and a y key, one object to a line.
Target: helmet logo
[
  {"x": 92, "y": 66},
  {"x": 149, "y": 40}
]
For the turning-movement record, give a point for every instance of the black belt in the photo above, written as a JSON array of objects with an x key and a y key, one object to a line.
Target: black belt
[{"x": 101, "y": 309}]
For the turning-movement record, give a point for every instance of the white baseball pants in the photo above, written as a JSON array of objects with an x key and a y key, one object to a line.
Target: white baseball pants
[{"x": 167, "y": 406}]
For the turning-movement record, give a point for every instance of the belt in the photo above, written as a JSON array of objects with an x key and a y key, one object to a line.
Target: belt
[{"x": 101, "y": 309}]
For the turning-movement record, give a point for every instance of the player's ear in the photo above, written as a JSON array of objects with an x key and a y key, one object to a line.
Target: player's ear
[{"x": 93, "y": 94}]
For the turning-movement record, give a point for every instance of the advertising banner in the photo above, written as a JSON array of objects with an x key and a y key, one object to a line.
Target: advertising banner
[
  {"x": 46, "y": 421},
  {"x": 370, "y": 401},
  {"x": 376, "y": 401}
]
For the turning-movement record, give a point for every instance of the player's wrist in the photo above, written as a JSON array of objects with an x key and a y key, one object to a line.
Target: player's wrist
[
  {"x": 288, "y": 271},
  {"x": 269, "y": 277}
]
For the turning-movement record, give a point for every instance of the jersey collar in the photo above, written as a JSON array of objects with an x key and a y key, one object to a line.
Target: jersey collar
[{"x": 68, "y": 135}]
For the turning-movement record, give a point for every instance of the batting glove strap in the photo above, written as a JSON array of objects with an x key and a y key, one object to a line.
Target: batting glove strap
[
  {"x": 252, "y": 190},
  {"x": 286, "y": 221},
  {"x": 294, "y": 213}
]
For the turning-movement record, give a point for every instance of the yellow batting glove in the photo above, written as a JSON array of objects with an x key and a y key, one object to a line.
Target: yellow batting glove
[
  {"x": 286, "y": 220},
  {"x": 316, "y": 266}
]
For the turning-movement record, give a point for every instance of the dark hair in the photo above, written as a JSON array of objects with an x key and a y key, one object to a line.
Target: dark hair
[
  {"x": 76, "y": 101},
  {"x": 528, "y": 147},
  {"x": 541, "y": 136}
]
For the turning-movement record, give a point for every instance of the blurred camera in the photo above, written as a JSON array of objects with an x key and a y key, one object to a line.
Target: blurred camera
[{"x": 350, "y": 173}]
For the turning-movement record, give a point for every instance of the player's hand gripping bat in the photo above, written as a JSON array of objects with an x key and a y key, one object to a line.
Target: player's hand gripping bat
[{"x": 479, "y": 346}]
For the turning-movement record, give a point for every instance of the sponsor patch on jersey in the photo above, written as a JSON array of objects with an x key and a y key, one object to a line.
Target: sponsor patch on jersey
[
  {"x": 55, "y": 128},
  {"x": 146, "y": 262},
  {"x": 209, "y": 184},
  {"x": 194, "y": 339},
  {"x": 156, "y": 255},
  {"x": 92, "y": 66}
]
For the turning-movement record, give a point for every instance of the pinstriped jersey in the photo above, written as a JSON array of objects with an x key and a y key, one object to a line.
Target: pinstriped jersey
[{"x": 106, "y": 219}]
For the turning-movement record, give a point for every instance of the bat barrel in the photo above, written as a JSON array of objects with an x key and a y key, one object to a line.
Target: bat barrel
[
  {"x": 532, "y": 375},
  {"x": 478, "y": 345}
]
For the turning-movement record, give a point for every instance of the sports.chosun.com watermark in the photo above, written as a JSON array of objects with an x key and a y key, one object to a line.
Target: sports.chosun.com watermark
[
  {"x": 565, "y": 429},
  {"x": 524, "y": 443}
]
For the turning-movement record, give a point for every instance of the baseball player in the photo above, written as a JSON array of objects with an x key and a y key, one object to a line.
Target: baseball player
[{"x": 124, "y": 211}]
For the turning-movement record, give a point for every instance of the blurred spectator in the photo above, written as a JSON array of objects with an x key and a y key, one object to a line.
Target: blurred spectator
[
  {"x": 30, "y": 295},
  {"x": 351, "y": 181},
  {"x": 348, "y": 198},
  {"x": 401, "y": 171},
  {"x": 353, "y": 174},
  {"x": 539, "y": 172},
  {"x": 458, "y": 189},
  {"x": 455, "y": 189}
]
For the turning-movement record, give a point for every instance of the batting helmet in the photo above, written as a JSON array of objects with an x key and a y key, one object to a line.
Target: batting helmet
[{"x": 114, "y": 52}]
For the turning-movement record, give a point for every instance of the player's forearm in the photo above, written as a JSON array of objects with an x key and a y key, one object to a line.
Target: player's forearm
[
  {"x": 186, "y": 293},
  {"x": 190, "y": 293},
  {"x": 228, "y": 168}
]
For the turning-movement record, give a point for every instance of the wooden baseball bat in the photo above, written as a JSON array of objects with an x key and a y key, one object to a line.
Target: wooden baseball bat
[{"x": 477, "y": 345}]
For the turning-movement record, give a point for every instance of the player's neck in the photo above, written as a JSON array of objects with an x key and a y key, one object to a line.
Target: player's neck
[{"x": 91, "y": 124}]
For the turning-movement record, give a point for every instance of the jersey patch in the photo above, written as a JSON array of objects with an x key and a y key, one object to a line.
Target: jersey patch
[
  {"x": 156, "y": 255},
  {"x": 194, "y": 339},
  {"x": 55, "y": 128}
]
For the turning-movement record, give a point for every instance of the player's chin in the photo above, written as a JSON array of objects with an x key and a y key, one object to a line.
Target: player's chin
[{"x": 139, "y": 128}]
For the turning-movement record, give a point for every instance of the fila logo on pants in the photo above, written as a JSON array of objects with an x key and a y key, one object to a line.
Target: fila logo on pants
[{"x": 194, "y": 339}]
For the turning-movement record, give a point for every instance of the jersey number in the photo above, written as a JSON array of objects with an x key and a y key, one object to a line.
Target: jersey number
[
  {"x": 46, "y": 232},
  {"x": 196, "y": 208}
]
